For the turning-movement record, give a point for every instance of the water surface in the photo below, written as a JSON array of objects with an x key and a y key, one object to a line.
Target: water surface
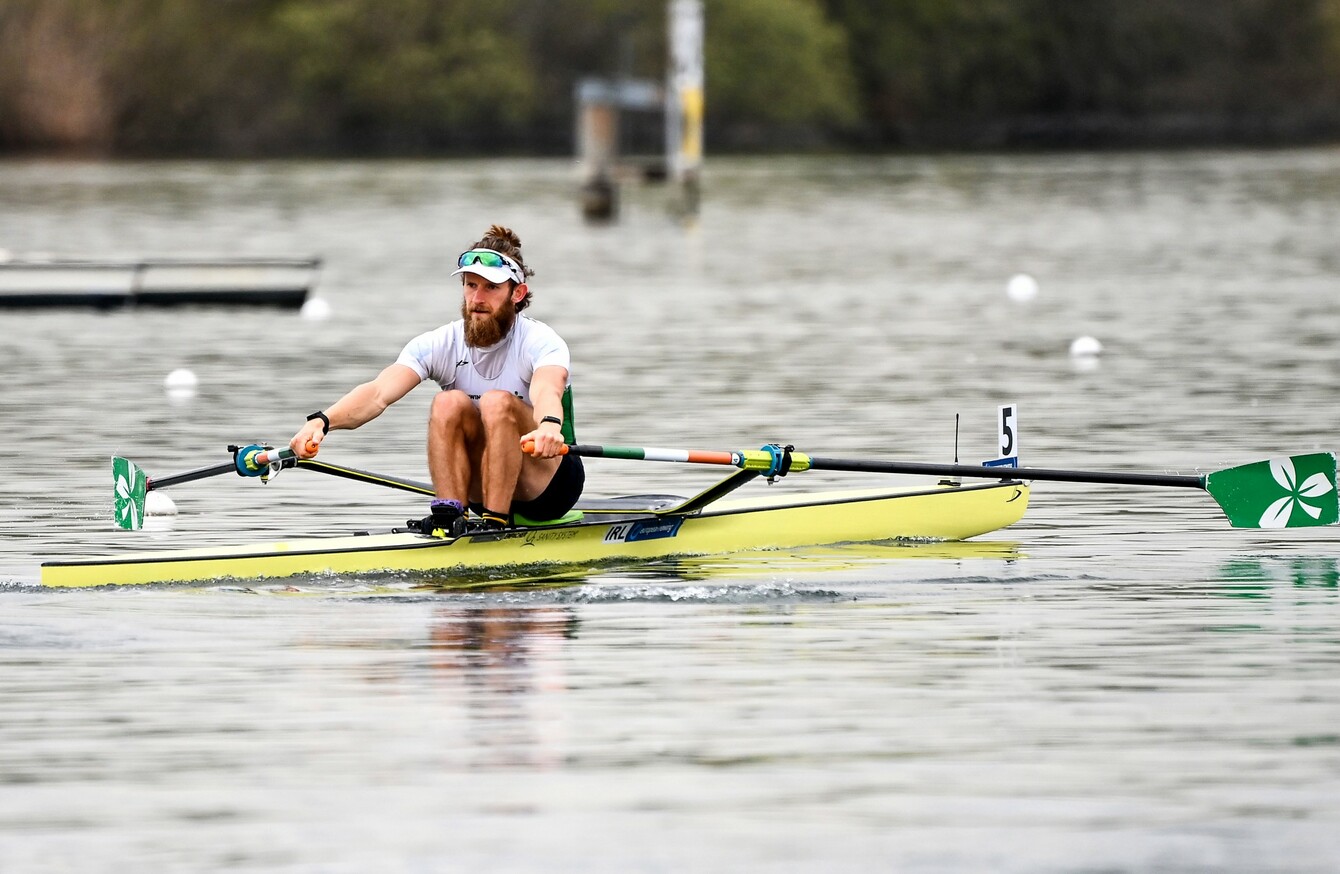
[{"x": 1121, "y": 682}]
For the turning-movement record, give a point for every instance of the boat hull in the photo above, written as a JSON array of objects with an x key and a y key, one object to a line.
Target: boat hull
[{"x": 771, "y": 521}]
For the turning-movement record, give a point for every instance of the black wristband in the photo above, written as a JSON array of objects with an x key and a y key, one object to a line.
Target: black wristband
[
  {"x": 325, "y": 421},
  {"x": 555, "y": 419}
]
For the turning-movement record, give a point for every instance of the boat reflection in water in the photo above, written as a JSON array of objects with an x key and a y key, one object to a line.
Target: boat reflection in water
[{"x": 860, "y": 558}]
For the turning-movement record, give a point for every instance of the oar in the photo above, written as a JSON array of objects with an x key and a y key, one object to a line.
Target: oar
[
  {"x": 130, "y": 485},
  {"x": 1290, "y": 492}
]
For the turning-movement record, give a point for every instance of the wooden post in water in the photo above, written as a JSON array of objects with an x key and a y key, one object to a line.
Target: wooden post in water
[
  {"x": 684, "y": 101},
  {"x": 599, "y": 104},
  {"x": 597, "y": 148}
]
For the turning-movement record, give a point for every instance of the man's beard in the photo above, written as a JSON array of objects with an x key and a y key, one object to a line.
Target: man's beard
[{"x": 482, "y": 329}]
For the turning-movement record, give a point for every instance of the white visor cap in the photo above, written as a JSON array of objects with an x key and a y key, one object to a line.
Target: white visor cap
[{"x": 502, "y": 269}]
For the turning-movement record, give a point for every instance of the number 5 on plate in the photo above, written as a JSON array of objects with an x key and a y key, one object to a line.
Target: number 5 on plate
[{"x": 1008, "y": 422}]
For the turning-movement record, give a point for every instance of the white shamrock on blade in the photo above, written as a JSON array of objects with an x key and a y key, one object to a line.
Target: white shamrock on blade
[
  {"x": 127, "y": 508},
  {"x": 1278, "y": 513}
]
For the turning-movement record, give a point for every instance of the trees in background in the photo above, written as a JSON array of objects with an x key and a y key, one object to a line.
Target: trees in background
[
  {"x": 431, "y": 76},
  {"x": 995, "y": 71}
]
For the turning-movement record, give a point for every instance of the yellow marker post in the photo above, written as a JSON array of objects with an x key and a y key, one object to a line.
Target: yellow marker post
[{"x": 684, "y": 99}]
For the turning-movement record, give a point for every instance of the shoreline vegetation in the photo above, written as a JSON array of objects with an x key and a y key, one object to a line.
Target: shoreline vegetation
[{"x": 349, "y": 78}]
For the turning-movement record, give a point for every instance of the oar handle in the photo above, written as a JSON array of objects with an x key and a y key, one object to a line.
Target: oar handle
[
  {"x": 253, "y": 460},
  {"x": 270, "y": 456},
  {"x": 528, "y": 447}
]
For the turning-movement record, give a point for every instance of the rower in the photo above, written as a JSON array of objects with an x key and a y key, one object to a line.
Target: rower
[{"x": 504, "y": 379}]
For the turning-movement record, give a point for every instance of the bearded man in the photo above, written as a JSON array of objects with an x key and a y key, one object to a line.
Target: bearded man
[{"x": 505, "y": 381}]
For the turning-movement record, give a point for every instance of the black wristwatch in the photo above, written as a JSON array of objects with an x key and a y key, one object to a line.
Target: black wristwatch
[
  {"x": 555, "y": 419},
  {"x": 325, "y": 421}
]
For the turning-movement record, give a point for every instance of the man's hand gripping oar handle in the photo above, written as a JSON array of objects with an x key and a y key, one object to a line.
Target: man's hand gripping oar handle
[
  {"x": 255, "y": 460},
  {"x": 528, "y": 447}
]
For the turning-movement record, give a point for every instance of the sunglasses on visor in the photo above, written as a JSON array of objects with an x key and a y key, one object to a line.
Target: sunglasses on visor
[{"x": 490, "y": 258}]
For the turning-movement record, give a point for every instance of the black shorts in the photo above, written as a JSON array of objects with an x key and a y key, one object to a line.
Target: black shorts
[{"x": 559, "y": 496}]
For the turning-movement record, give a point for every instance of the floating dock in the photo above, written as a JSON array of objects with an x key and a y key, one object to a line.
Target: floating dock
[{"x": 277, "y": 282}]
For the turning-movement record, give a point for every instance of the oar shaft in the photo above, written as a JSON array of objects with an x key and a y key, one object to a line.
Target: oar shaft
[
  {"x": 1022, "y": 473},
  {"x": 162, "y": 482}
]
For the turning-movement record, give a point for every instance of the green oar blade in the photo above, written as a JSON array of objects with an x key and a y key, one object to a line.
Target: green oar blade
[
  {"x": 129, "y": 486},
  {"x": 1294, "y": 492}
]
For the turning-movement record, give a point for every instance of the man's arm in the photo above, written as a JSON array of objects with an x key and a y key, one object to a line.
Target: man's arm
[
  {"x": 361, "y": 405},
  {"x": 546, "y": 396}
]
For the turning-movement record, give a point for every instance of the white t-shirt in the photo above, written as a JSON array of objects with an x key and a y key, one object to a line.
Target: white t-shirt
[{"x": 442, "y": 355}]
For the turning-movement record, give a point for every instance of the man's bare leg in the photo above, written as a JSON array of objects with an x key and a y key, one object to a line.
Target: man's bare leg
[
  {"x": 507, "y": 472},
  {"x": 455, "y": 441}
]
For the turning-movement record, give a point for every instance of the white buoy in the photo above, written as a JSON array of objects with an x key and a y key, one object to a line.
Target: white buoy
[
  {"x": 181, "y": 385},
  {"x": 1021, "y": 288},
  {"x": 159, "y": 504},
  {"x": 5, "y": 256},
  {"x": 1086, "y": 347},
  {"x": 181, "y": 378},
  {"x": 315, "y": 309}
]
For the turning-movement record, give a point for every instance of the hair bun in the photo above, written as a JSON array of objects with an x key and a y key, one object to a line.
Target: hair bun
[{"x": 503, "y": 235}]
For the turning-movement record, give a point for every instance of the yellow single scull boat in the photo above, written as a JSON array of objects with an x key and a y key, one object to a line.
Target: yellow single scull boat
[{"x": 611, "y": 530}]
